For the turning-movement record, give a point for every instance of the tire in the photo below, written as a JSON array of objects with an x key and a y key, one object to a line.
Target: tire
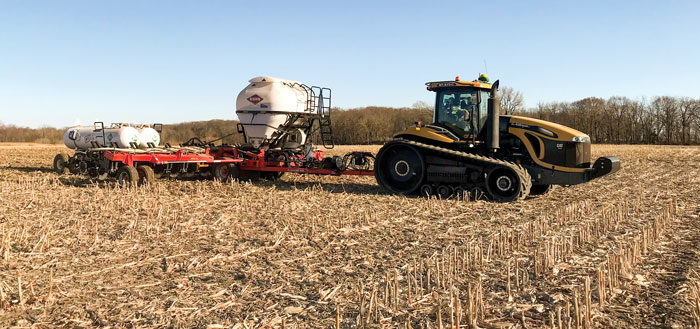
[
  {"x": 399, "y": 168},
  {"x": 127, "y": 177},
  {"x": 146, "y": 175},
  {"x": 221, "y": 172},
  {"x": 60, "y": 163},
  {"x": 503, "y": 185},
  {"x": 540, "y": 189}
]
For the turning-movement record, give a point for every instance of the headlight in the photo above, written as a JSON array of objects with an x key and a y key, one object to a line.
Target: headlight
[{"x": 582, "y": 139}]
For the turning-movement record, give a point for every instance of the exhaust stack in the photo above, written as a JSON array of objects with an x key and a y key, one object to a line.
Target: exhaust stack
[{"x": 494, "y": 110}]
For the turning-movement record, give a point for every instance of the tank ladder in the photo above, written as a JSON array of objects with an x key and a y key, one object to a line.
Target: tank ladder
[{"x": 323, "y": 107}]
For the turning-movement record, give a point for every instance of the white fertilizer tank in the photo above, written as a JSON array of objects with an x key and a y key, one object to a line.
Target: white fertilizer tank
[
  {"x": 265, "y": 104},
  {"x": 86, "y": 137}
]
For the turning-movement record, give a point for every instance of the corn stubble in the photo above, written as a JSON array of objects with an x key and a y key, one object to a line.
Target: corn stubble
[{"x": 320, "y": 252}]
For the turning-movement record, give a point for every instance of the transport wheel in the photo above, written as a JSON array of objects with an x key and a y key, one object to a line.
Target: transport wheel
[
  {"x": 444, "y": 191},
  {"x": 540, "y": 189},
  {"x": 503, "y": 185},
  {"x": 146, "y": 175},
  {"x": 399, "y": 168},
  {"x": 221, "y": 171},
  {"x": 127, "y": 176},
  {"x": 60, "y": 163}
]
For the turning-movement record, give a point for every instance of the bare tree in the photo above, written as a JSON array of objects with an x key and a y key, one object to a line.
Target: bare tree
[
  {"x": 511, "y": 100},
  {"x": 421, "y": 105},
  {"x": 686, "y": 112},
  {"x": 665, "y": 109}
]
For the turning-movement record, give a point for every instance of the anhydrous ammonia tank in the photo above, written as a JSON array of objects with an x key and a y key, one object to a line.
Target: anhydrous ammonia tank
[
  {"x": 86, "y": 137},
  {"x": 148, "y": 135},
  {"x": 265, "y": 104}
]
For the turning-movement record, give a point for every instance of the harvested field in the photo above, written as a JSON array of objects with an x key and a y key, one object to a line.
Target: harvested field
[{"x": 321, "y": 252}]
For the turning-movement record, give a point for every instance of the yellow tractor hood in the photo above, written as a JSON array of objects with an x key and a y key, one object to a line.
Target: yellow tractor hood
[{"x": 562, "y": 132}]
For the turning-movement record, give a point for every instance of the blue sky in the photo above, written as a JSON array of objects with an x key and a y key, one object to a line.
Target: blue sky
[{"x": 174, "y": 61}]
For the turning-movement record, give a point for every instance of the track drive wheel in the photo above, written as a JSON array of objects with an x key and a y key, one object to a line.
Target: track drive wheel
[
  {"x": 540, "y": 189},
  {"x": 503, "y": 184},
  {"x": 127, "y": 176},
  {"x": 60, "y": 163},
  {"x": 146, "y": 175},
  {"x": 399, "y": 168}
]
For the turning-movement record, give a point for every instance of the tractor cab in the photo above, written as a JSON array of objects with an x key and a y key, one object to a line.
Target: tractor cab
[{"x": 461, "y": 106}]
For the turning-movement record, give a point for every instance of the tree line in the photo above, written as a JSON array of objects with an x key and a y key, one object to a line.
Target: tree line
[
  {"x": 621, "y": 120},
  {"x": 617, "y": 120}
]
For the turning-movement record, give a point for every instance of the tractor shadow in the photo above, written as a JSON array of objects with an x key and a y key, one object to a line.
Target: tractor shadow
[
  {"x": 42, "y": 170},
  {"x": 336, "y": 188},
  {"x": 282, "y": 185}
]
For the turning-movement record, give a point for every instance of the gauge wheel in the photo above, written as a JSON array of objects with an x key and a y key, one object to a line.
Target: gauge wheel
[{"x": 60, "y": 163}]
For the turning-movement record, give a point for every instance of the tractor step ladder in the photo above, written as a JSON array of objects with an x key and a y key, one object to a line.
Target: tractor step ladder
[{"x": 323, "y": 104}]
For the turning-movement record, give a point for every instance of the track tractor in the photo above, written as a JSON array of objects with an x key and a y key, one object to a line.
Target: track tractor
[{"x": 471, "y": 148}]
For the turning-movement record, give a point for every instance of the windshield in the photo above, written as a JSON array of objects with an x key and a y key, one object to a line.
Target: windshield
[{"x": 455, "y": 110}]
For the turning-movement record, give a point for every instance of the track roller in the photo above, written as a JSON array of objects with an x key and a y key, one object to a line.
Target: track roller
[
  {"x": 426, "y": 190},
  {"x": 460, "y": 193},
  {"x": 444, "y": 191}
]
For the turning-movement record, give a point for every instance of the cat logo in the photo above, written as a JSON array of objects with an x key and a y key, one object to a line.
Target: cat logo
[{"x": 255, "y": 99}]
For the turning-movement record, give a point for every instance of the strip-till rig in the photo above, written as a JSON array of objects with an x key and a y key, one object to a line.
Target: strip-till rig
[{"x": 469, "y": 149}]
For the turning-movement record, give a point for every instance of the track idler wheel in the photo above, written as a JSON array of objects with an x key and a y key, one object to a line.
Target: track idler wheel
[
  {"x": 399, "y": 168},
  {"x": 60, "y": 163},
  {"x": 503, "y": 184}
]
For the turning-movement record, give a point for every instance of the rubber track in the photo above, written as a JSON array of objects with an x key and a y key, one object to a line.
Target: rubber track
[{"x": 523, "y": 175}]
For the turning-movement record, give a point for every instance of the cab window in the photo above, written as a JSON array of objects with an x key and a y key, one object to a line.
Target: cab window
[{"x": 456, "y": 109}]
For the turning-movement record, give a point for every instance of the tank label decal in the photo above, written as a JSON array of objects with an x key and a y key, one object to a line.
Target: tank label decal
[{"x": 255, "y": 99}]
